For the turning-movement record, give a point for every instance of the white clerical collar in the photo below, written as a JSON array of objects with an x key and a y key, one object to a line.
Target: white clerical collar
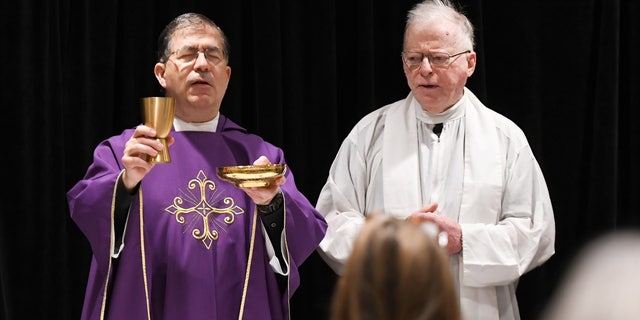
[
  {"x": 209, "y": 126},
  {"x": 456, "y": 111}
]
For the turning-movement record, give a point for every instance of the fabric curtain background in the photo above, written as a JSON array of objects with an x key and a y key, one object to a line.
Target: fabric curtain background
[{"x": 303, "y": 73}]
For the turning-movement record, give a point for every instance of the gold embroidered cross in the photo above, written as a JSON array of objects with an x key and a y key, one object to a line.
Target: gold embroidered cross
[{"x": 203, "y": 206}]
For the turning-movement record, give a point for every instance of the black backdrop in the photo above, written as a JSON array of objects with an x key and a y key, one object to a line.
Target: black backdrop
[{"x": 303, "y": 73}]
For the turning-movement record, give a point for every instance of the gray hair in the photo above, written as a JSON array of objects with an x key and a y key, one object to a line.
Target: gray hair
[
  {"x": 429, "y": 10},
  {"x": 187, "y": 20}
]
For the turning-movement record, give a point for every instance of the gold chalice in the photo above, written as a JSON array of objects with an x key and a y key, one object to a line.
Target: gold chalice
[{"x": 157, "y": 113}]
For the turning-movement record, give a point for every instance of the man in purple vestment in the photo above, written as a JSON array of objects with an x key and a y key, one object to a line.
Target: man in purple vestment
[{"x": 174, "y": 241}]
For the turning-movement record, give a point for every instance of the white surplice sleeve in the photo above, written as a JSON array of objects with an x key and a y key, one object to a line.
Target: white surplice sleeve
[
  {"x": 524, "y": 235},
  {"x": 341, "y": 207},
  {"x": 353, "y": 189}
]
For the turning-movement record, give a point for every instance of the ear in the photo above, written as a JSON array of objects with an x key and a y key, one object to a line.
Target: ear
[
  {"x": 471, "y": 63},
  {"x": 159, "y": 70},
  {"x": 227, "y": 70}
]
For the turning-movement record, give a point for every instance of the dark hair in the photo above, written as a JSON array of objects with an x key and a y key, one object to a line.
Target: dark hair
[{"x": 187, "y": 20}]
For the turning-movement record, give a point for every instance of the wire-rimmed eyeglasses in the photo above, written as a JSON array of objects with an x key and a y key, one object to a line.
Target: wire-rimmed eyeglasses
[
  {"x": 187, "y": 55},
  {"x": 414, "y": 60}
]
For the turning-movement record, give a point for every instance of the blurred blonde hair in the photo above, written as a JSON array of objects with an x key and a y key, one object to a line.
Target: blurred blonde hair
[
  {"x": 603, "y": 281},
  {"x": 396, "y": 270}
]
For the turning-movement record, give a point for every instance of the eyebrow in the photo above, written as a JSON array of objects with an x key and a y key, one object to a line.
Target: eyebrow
[{"x": 196, "y": 47}]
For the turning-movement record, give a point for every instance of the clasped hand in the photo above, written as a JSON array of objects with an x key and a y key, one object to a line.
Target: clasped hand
[{"x": 451, "y": 227}]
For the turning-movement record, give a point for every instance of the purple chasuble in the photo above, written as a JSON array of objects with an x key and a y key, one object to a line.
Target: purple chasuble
[{"x": 188, "y": 236}]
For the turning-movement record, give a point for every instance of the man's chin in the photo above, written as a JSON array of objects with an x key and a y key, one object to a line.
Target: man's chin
[
  {"x": 200, "y": 101},
  {"x": 429, "y": 104}
]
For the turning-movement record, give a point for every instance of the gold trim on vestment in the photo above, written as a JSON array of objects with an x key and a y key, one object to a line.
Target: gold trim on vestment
[
  {"x": 249, "y": 259},
  {"x": 142, "y": 256}
]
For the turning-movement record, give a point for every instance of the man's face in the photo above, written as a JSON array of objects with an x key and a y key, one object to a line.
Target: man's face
[
  {"x": 196, "y": 73},
  {"x": 437, "y": 88}
]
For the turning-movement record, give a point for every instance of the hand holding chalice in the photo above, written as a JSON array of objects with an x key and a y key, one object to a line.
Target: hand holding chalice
[{"x": 157, "y": 113}]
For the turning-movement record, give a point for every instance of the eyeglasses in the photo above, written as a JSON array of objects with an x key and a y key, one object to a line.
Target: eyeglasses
[
  {"x": 188, "y": 55},
  {"x": 414, "y": 60}
]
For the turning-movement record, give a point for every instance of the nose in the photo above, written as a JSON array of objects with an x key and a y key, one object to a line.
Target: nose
[
  {"x": 425, "y": 65},
  {"x": 201, "y": 63}
]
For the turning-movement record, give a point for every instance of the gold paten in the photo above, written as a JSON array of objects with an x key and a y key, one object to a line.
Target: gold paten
[{"x": 252, "y": 175}]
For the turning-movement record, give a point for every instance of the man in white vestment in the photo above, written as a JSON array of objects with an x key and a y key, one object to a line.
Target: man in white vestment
[{"x": 440, "y": 155}]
